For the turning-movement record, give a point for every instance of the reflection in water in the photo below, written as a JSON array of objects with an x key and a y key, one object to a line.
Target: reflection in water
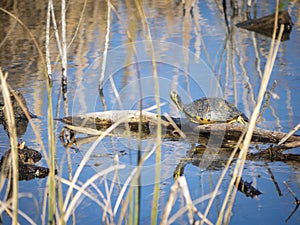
[
  {"x": 265, "y": 25},
  {"x": 27, "y": 158},
  {"x": 236, "y": 57},
  {"x": 21, "y": 112}
]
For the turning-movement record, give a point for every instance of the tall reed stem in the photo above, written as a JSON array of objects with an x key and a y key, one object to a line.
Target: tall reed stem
[{"x": 11, "y": 125}]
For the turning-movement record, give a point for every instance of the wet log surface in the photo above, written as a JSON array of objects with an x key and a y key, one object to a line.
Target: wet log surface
[
  {"x": 130, "y": 119},
  {"x": 234, "y": 131}
]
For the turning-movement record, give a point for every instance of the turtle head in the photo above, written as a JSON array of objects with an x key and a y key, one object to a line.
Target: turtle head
[{"x": 177, "y": 100}]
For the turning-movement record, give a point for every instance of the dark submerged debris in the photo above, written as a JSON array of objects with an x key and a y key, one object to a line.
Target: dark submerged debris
[
  {"x": 265, "y": 25},
  {"x": 29, "y": 171},
  {"x": 18, "y": 111},
  {"x": 247, "y": 188},
  {"x": 20, "y": 116},
  {"x": 27, "y": 158}
]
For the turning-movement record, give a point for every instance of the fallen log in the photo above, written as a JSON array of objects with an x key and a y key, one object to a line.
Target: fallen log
[
  {"x": 130, "y": 119},
  {"x": 234, "y": 131}
]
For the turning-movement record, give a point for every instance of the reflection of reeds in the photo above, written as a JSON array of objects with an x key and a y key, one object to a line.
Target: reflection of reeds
[
  {"x": 252, "y": 123},
  {"x": 66, "y": 205},
  {"x": 156, "y": 192},
  {"x": 180, "y": 186},
  {"x": 11, "y": 124}
]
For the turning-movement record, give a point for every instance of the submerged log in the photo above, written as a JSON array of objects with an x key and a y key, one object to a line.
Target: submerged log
[{"x": 265, "y": 25}]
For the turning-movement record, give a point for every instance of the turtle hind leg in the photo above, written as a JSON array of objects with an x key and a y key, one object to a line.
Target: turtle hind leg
[
  {"x": 238, "y": 119},
  {"x": 241, "y": 120}
]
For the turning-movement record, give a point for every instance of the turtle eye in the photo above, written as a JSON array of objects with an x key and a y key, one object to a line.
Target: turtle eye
[{"x": 199, "y": 118}]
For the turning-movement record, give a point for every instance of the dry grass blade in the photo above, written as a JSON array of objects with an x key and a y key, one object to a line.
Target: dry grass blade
[
  {"x": 84, "y": 130},
  {"x": 157, "y": 101},
  {"x": 224, "y": 171},
  {"x": 86, "y": 158},
  {"x": 297, "y": 127},
  {"x": 170, "y": 202},
  {"x": 134, "y": 173},
  {"x": 186, "y": 194},
  {"x": 30, "y": 34},
  {"x": 181, "y": 185},
  {"x": 176, "y": 128},
  {"x": 81, "y": 190},
  {"x": 10, "y": 120},
  {"x": 242, "y": 156}
]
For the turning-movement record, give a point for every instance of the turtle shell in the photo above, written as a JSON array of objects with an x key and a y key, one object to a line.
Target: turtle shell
[{"x": 212, "y": 110}]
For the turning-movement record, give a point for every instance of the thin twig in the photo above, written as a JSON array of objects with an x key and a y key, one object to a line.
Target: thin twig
[
  {"x": 297, "y": 201},
  {"x": 176, "y": 128},
  {"x": 274, "y": 180},
  {"x": 297, "y": 127}
]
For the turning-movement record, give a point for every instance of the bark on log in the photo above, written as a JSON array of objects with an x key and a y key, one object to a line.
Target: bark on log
[{"x": 131, "y": 118}]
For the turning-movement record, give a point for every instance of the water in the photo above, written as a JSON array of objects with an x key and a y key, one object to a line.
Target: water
[{"x": 194, "y": 56}]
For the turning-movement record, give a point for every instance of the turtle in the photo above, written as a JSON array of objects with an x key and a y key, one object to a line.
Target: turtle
[{"x": 209, "y": 110}]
